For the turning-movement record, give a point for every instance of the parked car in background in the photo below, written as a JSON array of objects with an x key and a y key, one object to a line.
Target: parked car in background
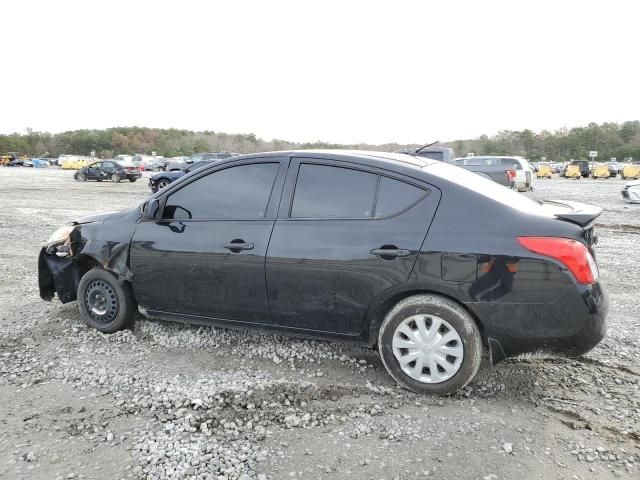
[
  {"x": 489, "y": 167},
  {"x": 631, "y": 192},
  {"x": 585, "y": 169},
  {"x": 444, "y": 154},
  {"x": 614, "y": 168},
  {"x": 601, "y": 170},
  {"x": 162, "y": 179},
  {"x": 484, "y": 166},
  {"x": 543, "y": 170},
  {"x": 630, "y": 171},
  {"x": 107, "y": 170},
  {"x": 430, "y": 263},
  {"x": 198, "y": 157},
  {"x": 40, "y": 162},
  {"x": 522, "y": 171}
]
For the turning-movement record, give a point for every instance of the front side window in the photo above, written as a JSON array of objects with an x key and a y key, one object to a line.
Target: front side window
[
  {"x": 333, "y": 192},
  {"x": 239, "y": 193}
]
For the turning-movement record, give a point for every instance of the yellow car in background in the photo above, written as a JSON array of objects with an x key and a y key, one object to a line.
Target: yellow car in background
[
  {"x": 573, "y": 171},
  {"x": 601, "y": 171},
  {"x": 544, "y": 171},
  {"x": 631, "y": 171}
]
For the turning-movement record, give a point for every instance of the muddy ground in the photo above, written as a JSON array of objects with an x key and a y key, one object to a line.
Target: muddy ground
[{"x": 174, "y": 401}]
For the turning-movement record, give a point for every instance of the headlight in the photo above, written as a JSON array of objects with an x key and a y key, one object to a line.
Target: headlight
[{"x": 61, "y": 235}]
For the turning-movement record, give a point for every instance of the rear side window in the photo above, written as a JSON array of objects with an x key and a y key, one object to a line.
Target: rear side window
[
  {"x": 395, "y": 197},
  {"x": 333, "y": 192},
  {"x": 240, "y": 193}
]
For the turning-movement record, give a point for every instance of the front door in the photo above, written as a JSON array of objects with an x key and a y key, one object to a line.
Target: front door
[
  {"x": 93, "y": 171},
  {"x": 343, "y": 236},
  {"x": 205, "y": 257}
]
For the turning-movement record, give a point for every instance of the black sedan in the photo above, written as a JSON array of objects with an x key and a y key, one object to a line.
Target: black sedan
[
  {"x": 427, "y": 262},
  {"x": 162, "y": 179},
  {"x": 107, "y": 170}
]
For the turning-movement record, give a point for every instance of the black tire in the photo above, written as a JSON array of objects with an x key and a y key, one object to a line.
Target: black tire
[
  {"x": 119, "y": 304},
  {"x": 445, "y": 309},
  {"x": 162, "y": 183},
  {"x": 115, "y": 178},
  {"x": 80, "y": 177},
  {"x": 132, "y": 180}
]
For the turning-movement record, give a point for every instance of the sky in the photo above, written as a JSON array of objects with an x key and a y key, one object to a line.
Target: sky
[{"x": 337, "y": 71}]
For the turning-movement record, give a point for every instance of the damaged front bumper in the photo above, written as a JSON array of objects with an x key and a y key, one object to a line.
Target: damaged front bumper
[
  {"x": 58, "y": 275},
  {"x": 70, "y": 254}
]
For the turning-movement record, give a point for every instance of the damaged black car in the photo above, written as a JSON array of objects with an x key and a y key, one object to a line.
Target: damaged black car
[{"x": 432, "y": 265}]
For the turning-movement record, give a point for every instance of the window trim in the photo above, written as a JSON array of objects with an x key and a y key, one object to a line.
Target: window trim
[
  {"x": 297, "y": 162},
  {"x": 271, "y": 206}
]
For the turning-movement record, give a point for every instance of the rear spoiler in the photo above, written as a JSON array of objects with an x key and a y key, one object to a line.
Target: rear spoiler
[{"x": 581, "y": 213}]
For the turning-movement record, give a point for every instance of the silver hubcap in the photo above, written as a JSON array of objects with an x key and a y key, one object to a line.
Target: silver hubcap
[{"x": 428, "y": 348}]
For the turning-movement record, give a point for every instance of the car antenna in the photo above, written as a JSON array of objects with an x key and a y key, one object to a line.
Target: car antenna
[{"x": 427, "y": 146}]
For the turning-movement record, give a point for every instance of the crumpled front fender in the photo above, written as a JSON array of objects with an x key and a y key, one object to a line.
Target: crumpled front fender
[{"x": 102, "y": 243}]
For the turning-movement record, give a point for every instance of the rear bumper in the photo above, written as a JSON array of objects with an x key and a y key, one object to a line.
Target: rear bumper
[{"x": 571, "y": 326}]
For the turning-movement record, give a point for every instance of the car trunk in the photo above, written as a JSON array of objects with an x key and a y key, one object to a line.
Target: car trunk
[{"x": 581, "y": 214}]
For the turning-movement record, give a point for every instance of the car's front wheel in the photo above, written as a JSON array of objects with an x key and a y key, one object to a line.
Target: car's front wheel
[
  {"x": 430, "y": 344},
  {"x": 105, "y": 302},
  {"x": 132, "y": 179},
  {"x": 162, "y": 183},
  {"x": 80, "y": 177}
]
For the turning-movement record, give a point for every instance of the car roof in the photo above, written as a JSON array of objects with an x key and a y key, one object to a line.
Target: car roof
[{"x": 367, "y": 157}]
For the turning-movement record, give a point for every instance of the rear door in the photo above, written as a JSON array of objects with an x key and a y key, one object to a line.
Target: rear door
[
  {"x": 107, "y": 169},
  {"x": 93, "y": 171},
  {"x": 342, "y": 237}
]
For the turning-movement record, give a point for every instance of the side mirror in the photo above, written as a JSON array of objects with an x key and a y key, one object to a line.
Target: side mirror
[{"x": 151, "y": 209}]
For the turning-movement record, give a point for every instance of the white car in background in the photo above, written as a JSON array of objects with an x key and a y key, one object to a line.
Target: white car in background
[
  {"x": 524, "y": 172},
  {"x": 631, "y": 191}
]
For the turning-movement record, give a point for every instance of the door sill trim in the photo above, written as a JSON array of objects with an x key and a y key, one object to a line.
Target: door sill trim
[{"x": 244, "y": 325}]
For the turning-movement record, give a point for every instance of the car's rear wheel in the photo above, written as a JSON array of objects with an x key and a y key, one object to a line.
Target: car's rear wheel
[
  {"x": 105, "y": 302},
  {"x": 430, "y": 344},
  {"x": 115, "y": 178},
  {"x": 80, "y": 177},
  {"x": 132, "y": 180},
  {"x": 162, "y": 183}
]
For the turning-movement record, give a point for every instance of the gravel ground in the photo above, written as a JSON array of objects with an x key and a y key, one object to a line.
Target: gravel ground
[{"x": 165, "y": 401}]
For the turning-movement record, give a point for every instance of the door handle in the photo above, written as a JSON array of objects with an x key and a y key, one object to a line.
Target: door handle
[
  {"x": 390, "y": 252},
  {"x": 237, "y": 245}
]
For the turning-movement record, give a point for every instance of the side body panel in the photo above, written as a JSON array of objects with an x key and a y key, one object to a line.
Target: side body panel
[{"x": 321, "y": 273}]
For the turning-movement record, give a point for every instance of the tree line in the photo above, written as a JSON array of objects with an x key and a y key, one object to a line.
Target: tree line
[{"x": 608, "y": 139}]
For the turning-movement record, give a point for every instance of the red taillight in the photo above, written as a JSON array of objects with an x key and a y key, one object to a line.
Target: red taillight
[
  {"x": 511, "y": 175},
  {"x": 573, "y": 254}
]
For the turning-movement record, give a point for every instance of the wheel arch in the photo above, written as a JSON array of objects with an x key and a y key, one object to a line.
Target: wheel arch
[{"x": 381, "y": 306}]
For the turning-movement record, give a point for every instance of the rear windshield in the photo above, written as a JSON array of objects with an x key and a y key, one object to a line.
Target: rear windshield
[
  {"x": 432, "y": 155},
  {"x": 485, "y": 187},
  {"x": 481, "y": 161}
]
